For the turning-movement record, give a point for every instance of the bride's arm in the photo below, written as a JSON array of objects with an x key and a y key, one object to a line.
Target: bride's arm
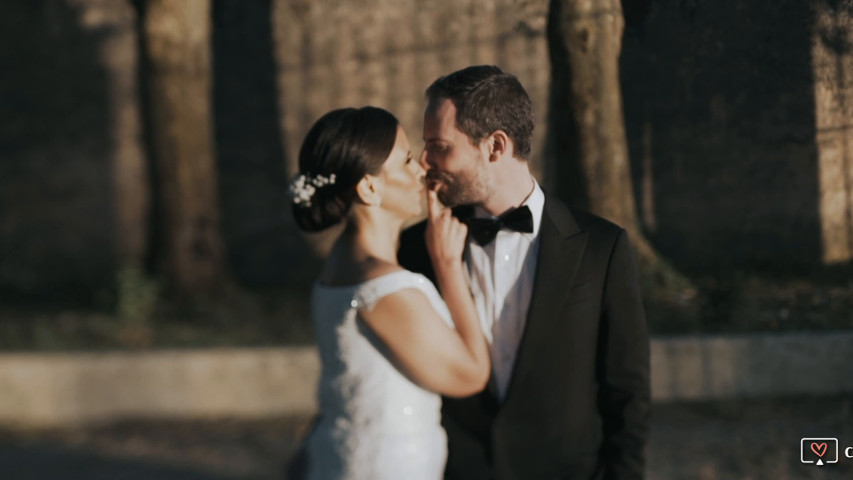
[
  {"x": 428, "y": 351},
  {"x": 445, "y": 240},
  {"x": 450, "y": 362}
]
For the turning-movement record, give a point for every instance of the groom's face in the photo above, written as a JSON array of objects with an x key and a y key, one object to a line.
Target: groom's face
[{"x": 455, "y": 166}]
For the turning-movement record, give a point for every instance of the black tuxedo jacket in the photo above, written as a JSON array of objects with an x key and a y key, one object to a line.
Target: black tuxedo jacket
[{"x": 577, "y": 406}]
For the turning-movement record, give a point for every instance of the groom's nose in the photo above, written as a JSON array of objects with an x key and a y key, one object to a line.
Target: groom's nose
[
  {"x": 423, "y": 160},
  {"x": 420, "y": 173}
]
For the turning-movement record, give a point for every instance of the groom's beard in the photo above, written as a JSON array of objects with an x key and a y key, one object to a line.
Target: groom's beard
[{"x": 467, "y": 187}]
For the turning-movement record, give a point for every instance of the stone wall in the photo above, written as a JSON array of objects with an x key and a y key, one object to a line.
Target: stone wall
[
  {"x": 385, "y": 53},
  {"x": 739, "y": 129},
  {"x": 832, "y": 62},
  {"x": 332, "y": 54},
  {"x": 739, "y": 122},
  {"x": 69, "y": 143}
]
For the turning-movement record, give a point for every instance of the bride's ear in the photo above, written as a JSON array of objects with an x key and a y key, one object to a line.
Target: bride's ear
[{"x": 367, "y": 190}]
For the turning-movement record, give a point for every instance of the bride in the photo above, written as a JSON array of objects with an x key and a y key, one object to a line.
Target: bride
[{"x": 388, "y": 343}]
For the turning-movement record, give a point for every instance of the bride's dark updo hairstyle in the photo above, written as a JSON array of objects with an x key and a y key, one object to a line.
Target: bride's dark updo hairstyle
[{"x": 345, "y": 145}]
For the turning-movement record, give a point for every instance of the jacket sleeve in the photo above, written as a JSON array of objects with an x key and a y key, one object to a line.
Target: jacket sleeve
[
  {"x": 624, "y": 394},
  {"x": 412, "y": 253}
]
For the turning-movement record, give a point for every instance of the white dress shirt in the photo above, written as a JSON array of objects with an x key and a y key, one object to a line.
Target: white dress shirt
[{"x": 501, "y": 277}]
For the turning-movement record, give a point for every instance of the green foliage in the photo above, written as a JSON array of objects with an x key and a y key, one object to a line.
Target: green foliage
[{"x": 137, "y": 298}]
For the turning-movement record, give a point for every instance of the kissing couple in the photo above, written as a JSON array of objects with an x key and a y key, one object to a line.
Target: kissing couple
[{"x": 501, "y": 338}]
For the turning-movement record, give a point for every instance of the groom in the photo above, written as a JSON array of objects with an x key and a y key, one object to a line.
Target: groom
[{"x": 557, "y": 294}]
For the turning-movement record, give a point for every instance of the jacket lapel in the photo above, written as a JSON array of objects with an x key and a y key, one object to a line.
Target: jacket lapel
[{"x": 561, "y": 248}]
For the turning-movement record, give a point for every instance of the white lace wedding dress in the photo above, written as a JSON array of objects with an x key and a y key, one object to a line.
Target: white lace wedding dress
[{"x": 375, "y": 423}]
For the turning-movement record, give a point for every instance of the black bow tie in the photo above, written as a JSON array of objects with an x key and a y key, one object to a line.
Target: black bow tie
[{"x": 484, "y": 230}]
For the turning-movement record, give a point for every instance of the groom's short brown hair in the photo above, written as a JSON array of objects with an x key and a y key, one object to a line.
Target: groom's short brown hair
[{"x": 487, "y": 99}]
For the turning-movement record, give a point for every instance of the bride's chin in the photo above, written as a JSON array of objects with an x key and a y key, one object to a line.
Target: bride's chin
[
  {"x": 418, "y": 214},
  {"x": 413, "y": 219}
]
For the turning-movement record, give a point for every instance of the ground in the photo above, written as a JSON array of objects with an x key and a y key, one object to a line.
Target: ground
[{"x": 721, "y": 440}]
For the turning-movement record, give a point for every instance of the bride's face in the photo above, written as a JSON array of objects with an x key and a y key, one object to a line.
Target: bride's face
[{"x": 403, "y": 191}]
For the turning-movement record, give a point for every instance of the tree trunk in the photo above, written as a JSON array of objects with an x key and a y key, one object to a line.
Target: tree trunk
[
  {"x": 585, "y": 39},
  {"x": 131, "y": 186},
  {"x": 587, "y": 142},
  {"x": 177, "y": 40}
]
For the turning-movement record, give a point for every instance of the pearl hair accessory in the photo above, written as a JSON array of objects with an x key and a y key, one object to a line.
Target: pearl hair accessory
[{"x": 303, "y": 187}]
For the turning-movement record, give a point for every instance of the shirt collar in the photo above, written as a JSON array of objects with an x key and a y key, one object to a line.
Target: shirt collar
[{"x": 535, "y": 202}]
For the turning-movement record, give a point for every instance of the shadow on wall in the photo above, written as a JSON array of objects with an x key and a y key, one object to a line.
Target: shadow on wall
[
  {"x": 263, "y": 248},
  {"x": 721, "y": 122},
  {"x": 56, "y": 200}
]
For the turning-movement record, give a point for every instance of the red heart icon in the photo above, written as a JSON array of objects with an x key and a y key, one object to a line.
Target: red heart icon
[{"x": 819, "y": 449}]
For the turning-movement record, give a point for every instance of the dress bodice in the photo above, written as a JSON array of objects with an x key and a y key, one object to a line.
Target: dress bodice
[{"x": 374, "y": 420}]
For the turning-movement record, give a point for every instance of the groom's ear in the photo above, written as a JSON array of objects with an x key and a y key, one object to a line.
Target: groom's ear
[{"x": 499, "y": 144}]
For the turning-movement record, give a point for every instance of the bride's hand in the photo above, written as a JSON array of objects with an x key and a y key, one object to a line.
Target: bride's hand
[{"x": 445, "y": 234}]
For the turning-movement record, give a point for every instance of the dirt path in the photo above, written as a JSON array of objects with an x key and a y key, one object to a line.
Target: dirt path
[{"x": 753, "y": 440}]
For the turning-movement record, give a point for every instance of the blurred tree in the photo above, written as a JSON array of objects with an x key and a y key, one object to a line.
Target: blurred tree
[
  {"x": 177, "y": 78},
  {"x": 586, "y": 138}
]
